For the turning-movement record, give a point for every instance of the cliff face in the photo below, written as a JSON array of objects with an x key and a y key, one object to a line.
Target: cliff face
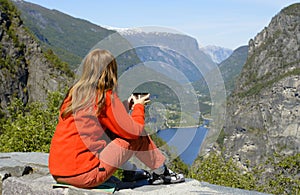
[
  {"x": 25, "y": 73},
  {"x": 263, "y": 111}
]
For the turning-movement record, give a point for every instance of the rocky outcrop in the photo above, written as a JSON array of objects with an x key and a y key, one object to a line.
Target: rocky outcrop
[
  {"x": 39, "y": 181},
  {"x": 263, "y": 112},
  {"x": 25, "y": 72}
]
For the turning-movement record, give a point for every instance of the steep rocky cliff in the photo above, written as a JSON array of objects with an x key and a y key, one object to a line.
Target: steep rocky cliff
[
  {"x": 25, "y": 71},
  {"x": 263, "y": 112}
]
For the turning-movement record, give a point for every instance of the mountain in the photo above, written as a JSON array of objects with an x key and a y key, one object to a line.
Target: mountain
[
  {"x": 52, "y": 26},
  {"x": 232, "y": 67},
  {"x": 171, "y": 58},
  {"x": 263, "y": 115},
  {"x": 166, "y": 55},
  {"x": 178, "y": 58},
  {"x": 170, "y": 48},
  {"x": 26, "y": 72},
  {"x": 70, "y": 38},
  {"x": 217, "y": 54}
]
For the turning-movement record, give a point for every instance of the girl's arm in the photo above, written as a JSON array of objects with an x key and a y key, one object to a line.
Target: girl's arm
[{"x": 119, "y": 121}]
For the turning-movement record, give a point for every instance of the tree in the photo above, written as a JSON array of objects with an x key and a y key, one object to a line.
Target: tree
[{"x": 30, "y": 128}]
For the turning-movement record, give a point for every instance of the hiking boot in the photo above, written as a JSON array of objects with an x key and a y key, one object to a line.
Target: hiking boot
[
  {"x": 168, "y": 177},
  {"x": 138, "y": 174}
]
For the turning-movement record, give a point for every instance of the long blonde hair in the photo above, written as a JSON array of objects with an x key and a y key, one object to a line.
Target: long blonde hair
[{"x": 99, "y": 74}]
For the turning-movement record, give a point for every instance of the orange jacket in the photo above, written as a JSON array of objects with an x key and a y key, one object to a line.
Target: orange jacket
[{"x": 79, "y": 138}]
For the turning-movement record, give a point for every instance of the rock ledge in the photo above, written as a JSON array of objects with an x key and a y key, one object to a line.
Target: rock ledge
[{"x": 40, "y": 181}]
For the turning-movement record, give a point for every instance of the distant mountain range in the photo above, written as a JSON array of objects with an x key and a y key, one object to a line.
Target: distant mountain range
[
  {"x": 217, "y": 54},
  {"x": 169, "y": 54},
  {"x": 71, "y": 38},
  {"x": 172, "y": 49}
]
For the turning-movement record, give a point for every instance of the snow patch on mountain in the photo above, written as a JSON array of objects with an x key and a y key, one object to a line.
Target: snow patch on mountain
[
  {"x": 217, "y": 54},
  {"x": 146, "y": 29}
]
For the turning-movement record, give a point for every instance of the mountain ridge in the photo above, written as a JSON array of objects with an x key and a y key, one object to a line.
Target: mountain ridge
[
  {"x": 263, "y": 110},
  {"x": 52, "y": 26},
  {"x": 232, "y": 67}
]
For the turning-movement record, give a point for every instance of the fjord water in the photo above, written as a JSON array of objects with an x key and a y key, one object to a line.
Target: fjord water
[{"x": 186, "y": 141}]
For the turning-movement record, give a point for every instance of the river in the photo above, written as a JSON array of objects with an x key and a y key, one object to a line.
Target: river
[{"x": 186, "y": 141}]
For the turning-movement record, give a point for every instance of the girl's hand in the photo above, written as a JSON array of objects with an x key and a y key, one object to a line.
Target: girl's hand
[{"x": 142, "y": 100}]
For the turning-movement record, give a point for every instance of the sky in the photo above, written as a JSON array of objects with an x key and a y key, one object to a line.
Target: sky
[{"x": 224, "y": 23}]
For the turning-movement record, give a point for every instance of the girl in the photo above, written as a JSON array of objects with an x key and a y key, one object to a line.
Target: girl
[{"x": 95, "y": 134}]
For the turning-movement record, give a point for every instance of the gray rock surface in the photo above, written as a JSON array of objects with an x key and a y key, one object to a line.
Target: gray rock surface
[
  {"x": 40, "y": 181},
  {"x": 25, "y": 72},
  {"x": 263, "y": 112}
]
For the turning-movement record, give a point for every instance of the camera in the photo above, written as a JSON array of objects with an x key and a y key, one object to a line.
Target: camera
[{"x": 138, "y": 95}]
